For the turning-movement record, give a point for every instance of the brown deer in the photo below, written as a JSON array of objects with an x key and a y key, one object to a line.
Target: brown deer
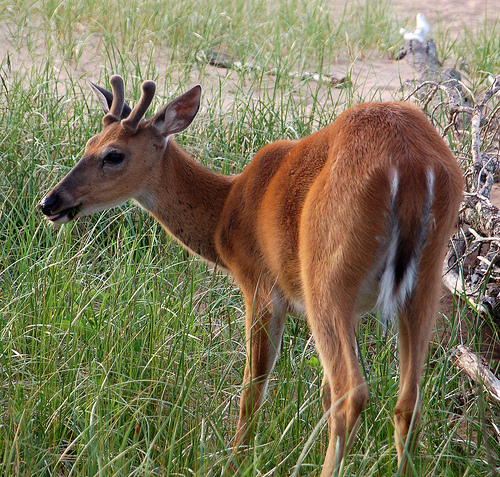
[{"x": 353, "y": 218}]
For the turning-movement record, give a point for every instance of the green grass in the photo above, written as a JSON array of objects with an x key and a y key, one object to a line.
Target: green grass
[{"x": 119, "y": 353}]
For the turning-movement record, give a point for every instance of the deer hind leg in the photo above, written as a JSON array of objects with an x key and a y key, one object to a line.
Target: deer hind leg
[
  {"x": 345, "y": 394},
  {"x": 264, "y": 325},
  {"x": 332, "y": 281},
  {"x": 416, "y": 321}
]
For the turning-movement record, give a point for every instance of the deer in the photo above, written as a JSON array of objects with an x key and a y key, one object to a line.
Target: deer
[{"x": 353, "y": 218}]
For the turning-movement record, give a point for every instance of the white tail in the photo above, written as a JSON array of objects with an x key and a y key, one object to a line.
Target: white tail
[{"x": 353, "y": 217}]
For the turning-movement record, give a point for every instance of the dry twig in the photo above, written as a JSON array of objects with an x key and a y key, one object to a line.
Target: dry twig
[{"x": 478, "y": 283}]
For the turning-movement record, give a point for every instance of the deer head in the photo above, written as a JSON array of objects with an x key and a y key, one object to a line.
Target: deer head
[{"x": 117, "y": 162}]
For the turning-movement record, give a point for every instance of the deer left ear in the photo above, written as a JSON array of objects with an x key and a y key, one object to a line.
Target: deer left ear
[
  {"x": 179, "y": 113},
  {"x": 105, "y": 99}
]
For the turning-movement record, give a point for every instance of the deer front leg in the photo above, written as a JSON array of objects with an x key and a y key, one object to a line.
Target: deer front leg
[{"x": 264, "y": 325}]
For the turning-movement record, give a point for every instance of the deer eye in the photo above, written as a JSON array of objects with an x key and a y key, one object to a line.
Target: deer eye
[{"x": 114, "y": 157}]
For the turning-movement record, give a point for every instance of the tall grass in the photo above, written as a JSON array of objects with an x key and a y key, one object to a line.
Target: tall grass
[{"x": 119, "y": 353}]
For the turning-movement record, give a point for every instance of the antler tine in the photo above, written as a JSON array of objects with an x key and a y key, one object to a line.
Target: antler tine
[
  {"x": 116, "y": 108},
  {"x": 148, "y": 92}
]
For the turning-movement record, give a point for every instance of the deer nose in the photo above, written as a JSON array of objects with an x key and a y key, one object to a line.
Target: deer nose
[{"x": 49, "y": 203}]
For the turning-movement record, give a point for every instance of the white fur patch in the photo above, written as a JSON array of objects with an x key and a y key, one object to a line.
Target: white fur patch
[
  {"x": 387, "y": 302},
  {"x": 390, "y": 298},
  {"x": 408, "y": 282}
]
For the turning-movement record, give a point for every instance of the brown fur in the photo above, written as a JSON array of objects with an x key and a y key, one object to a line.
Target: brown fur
[{"x": 304, "y": 226}]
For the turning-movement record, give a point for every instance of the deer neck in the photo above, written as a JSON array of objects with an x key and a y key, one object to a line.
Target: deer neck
[{"x": 187, "y": 199}]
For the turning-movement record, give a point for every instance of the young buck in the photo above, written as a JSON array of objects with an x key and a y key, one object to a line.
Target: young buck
[{"x": 353, "y": 218}]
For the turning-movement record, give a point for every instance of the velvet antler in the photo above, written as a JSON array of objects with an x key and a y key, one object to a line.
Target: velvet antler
[
  {"x": 115, "y": 111},
  {"x": 148, "y": 92}
]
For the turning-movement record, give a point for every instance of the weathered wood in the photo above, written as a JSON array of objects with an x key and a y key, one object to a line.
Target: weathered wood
[
  {"x": 468, "y": 362},
  {"x": 480, "y": 213}
]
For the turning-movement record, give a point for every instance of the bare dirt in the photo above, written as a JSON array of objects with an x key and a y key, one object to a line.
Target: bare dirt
[
  {"x": 453, "y": 13},
  {"x": 381, "y": 77}
]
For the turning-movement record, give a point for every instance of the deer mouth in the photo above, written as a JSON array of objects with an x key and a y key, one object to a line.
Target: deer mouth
[{"x": 65, "y": 215}]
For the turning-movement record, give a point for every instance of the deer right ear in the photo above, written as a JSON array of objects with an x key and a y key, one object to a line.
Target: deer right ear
[
  {"x": 105, "y": 99},
  {"x": 179, "y": 113}
]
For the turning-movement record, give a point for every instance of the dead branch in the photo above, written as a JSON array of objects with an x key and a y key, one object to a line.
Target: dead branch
[
  {"x": 469, "y": 118},
  {"x": 480, "y": 213},
  {"x": 221, "y": 60},
  {"x": 467, "y": 361}
]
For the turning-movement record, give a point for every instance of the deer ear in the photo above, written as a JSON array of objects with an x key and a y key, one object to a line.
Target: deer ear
[
  {"x": 179, "y": 113},
  {"x": 105, "y": 99}
]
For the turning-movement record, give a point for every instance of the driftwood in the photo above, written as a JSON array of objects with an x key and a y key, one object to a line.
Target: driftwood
[
  {"x": 488, "y": 385},
  {"x": 480, "y": 218},
  {"x": 219, "y": 59},
  {"x": 470, "y": 269},
  {"x": 479, "y": 234},
  {"x": 467, "y": 361}
]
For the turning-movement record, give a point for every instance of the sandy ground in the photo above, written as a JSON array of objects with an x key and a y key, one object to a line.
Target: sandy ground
[
  {"x": 454, "y": 13},
  {"x": 381, "y": 77}
]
